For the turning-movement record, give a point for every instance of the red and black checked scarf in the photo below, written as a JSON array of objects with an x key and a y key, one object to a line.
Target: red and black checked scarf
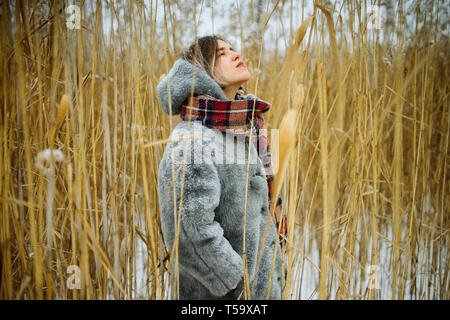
[{"x": 236, "y": 115}]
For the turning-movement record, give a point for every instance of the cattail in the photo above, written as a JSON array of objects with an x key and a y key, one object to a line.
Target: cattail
[
  {"x": 50, "y": 157},
  {"x": 288, "y": 132},
  {"x": 62, "y": 112}
]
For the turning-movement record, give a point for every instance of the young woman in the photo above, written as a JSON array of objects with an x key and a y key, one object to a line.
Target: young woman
[{"x": 208, "y": 179}]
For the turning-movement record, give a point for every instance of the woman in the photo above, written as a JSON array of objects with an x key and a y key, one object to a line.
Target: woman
[{"x": 206, "y": 237}]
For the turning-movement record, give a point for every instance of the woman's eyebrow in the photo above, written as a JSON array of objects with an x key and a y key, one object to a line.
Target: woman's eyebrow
[{"x": 223, "y": 48}]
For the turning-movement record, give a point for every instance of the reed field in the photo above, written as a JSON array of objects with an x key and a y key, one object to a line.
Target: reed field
[{"x": 366, "y": 188}]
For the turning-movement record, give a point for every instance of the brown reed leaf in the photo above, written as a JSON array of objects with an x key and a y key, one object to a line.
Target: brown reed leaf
[{"x": 62, "y": 112}]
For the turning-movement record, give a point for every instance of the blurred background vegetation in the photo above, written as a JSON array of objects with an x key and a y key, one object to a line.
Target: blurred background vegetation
[{"x": 367, "y": 185}]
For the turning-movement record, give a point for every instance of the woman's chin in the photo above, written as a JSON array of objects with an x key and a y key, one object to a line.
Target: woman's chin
[{"x": 246, "y": 76}]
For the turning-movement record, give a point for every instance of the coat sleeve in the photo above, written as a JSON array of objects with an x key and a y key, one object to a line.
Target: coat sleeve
[{"x": 204, "y": 253}]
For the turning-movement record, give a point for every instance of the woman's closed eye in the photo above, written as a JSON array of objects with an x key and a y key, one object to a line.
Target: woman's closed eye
[{"x": 221, "y": 51}]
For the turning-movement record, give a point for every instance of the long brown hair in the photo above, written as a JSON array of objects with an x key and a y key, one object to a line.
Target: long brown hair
[{"x": 202, "y": 53}]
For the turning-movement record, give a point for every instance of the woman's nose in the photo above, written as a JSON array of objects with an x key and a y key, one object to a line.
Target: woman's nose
[{"x": 236, "y": 55}]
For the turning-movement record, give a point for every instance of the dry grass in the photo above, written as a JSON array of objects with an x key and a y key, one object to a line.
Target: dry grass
[{"x": 366, "y": 183}]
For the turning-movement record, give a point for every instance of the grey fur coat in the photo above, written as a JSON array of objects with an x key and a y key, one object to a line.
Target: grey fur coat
[{"x": 211, "y": 229}]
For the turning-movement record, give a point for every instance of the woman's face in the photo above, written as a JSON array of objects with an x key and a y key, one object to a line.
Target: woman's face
[{"x": 229, "y": 69}]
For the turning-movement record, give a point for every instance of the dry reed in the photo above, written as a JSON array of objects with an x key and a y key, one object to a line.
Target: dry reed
[{"x": 364, "y": 179}]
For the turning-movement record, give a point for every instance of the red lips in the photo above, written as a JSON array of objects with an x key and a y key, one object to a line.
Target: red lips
[{"x": 240, "y": 64}]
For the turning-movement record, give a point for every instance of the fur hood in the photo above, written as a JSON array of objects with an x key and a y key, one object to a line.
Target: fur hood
[{"x": 179, "y": 81}]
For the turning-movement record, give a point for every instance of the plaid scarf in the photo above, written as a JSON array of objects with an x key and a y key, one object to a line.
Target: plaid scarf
[{"x": 236, "y": 115}]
